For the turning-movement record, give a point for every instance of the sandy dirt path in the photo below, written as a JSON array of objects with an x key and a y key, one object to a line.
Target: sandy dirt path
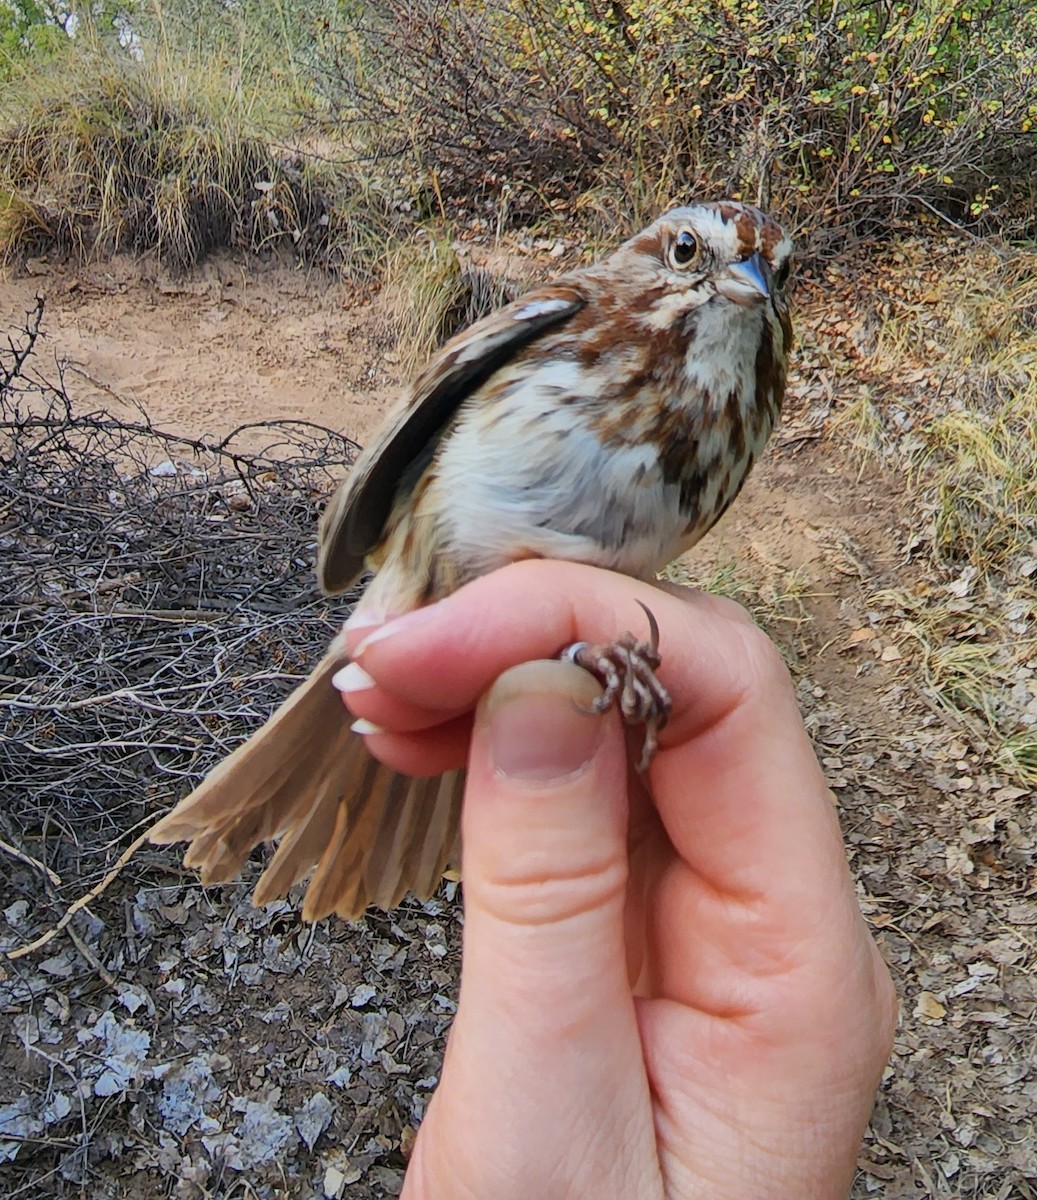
[{"x": 210, "y": 353}]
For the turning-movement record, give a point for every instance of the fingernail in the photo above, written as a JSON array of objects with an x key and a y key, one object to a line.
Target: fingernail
[
  {"x": 360, "y": 619},
  {"x": 362, "y": 726},
  {"x": 352, "y": 678},
  {"x": 537, "y": 731},
  {"x": 397, "y": 625}
]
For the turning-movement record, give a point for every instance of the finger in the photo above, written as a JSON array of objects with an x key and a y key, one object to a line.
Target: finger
[
  {"x": 764, "y": 880},
  {"x": 432, "y": 751},
  {"x": 736, "y": 781},
  {"x": 748, "y": 783},
  {"x": 364, "y": 698},
  {"x": 446, "y": 655},
  {"x": 545, "y": 1023}
]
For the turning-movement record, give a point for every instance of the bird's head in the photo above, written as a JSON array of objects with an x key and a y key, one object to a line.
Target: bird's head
[{"x": 722, "y": 253}]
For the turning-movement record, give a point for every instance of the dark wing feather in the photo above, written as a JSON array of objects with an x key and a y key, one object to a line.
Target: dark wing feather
[{"x": 353, "y": 522}]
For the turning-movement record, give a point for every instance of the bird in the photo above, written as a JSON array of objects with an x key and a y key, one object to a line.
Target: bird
[{"x": 609, "y": 417}]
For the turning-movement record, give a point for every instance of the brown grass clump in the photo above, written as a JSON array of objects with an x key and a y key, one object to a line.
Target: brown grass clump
[
  {"x": 430, "y": 294},
  {"x": 169, "y": 155}
]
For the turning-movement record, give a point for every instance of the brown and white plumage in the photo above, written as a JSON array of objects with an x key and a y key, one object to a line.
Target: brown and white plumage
[{"x": 609, "y": 417}]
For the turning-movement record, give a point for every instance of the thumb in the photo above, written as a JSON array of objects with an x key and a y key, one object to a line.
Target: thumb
[
  {"x": 545, "y": 850},
  {"x": 543, "y": 1087}
]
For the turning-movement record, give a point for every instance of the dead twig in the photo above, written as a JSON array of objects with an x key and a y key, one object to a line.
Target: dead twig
[
  {"x": 157, "y": 601},
  {"x": 29, "y": 861},
  {"x": 80, "y": 904}
]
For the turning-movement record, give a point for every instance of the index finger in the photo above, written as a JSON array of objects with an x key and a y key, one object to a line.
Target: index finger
[{"x": 735, "y": 781}]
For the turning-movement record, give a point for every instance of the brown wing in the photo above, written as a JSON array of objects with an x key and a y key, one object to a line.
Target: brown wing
[{"x": 353, "y": 522}]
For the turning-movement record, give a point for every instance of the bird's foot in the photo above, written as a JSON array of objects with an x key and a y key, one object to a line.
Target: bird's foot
[{"x": 626, "y": 668}]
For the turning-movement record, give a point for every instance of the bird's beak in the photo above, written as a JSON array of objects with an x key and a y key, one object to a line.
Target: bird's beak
[{"x": 746, "y": 282}]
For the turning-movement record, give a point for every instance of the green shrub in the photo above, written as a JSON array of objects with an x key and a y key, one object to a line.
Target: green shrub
[
  {"x": 27, "y": 31},
  {"x": 202, "y": 129},
  {"x": 849, "y": 118}
]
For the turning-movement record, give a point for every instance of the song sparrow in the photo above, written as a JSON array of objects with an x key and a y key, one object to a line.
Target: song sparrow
[{"x": 609, "y": 417}]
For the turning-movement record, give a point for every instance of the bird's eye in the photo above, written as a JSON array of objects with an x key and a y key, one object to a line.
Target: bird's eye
[{"x": 685, "y": 249}]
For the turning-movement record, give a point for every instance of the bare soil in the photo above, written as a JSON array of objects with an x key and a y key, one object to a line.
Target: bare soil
[
  {"x": 241, "y": 1047},
  {"x": 215, "y": 350}
]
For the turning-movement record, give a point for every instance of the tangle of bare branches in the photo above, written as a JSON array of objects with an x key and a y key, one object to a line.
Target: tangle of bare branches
[{"x": 157, "y": 600}]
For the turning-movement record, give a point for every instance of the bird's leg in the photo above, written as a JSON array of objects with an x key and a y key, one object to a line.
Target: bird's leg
[{"x": 626, "y": 670}]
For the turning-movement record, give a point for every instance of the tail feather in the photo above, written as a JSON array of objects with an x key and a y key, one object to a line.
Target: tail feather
[
  {"x": 245, "y": 780},
  {"x": 423, "y": 839},
  {"x": 304, "y": 778},
  {"x": 302, "y": 846},
  {"x": 338, "y": 884}
]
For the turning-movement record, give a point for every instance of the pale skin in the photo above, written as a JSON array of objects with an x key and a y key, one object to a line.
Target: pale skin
[{"x": 672, "y": 996}]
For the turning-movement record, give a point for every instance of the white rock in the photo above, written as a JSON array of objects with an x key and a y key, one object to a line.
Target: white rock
[{"x": 334, "y": 1182}]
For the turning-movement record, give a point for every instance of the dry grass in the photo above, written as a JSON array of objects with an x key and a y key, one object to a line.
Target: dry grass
[
  {"x": 779, "y": 598},
  {"x": 430, "y": 294},
  {"x": 955, "y": 350},
  {"x": 975, "y": 329},
  {"x": 174, "y": 155}
]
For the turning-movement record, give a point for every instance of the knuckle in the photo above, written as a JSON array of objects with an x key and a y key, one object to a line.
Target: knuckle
[{"x": 762, "y": 658}]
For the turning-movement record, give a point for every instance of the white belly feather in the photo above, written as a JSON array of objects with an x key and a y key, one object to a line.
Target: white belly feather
[
  {"x": 523, "y": 473},
  {"x": 532, "y": 483}
]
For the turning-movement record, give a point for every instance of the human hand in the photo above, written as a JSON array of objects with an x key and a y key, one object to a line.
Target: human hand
[{"x": 668, "y": 996}]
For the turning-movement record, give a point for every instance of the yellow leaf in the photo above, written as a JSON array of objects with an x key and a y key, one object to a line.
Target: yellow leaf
[{"x": 929, "y": 1007}]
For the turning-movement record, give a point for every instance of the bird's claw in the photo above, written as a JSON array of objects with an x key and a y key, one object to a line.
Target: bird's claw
[{"x": 626, "y": 670}]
